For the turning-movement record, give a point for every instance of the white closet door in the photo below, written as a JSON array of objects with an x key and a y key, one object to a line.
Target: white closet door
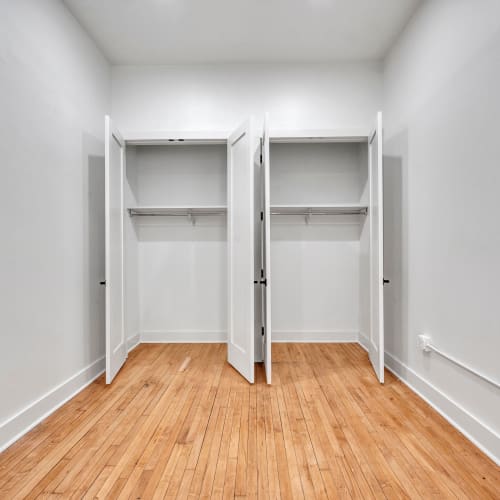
[
  {"x": 240, "y": 225},
  {"x": 376, "y": 345},
  {"x": 116, "y": 351},
  {"x": 266, "y": 241}
]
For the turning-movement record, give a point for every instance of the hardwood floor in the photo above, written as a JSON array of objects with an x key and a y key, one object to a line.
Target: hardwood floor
[{"x": 179, "y": 422}]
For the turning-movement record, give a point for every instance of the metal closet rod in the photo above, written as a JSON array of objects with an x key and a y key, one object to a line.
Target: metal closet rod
[
  {"x": 175, "y": 214},
  {"x": 304, "y": 213}
]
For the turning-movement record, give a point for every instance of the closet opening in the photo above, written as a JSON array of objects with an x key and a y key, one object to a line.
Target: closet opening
[
  {"x": 322, "y": 240},
  {"x": 319, "y": 196},
  {"x": 176, "y": 242}
]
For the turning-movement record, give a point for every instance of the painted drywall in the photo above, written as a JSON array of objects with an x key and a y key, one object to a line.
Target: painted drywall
[
  {"x": 442, "y": 183},
  {"x": 175, "y": 31},
  {"x": 315, "y": 263},
  {"x": 55, "y": 90},
  {"x": 219, "y": 97},
  {"x": 181, "y": 292}
]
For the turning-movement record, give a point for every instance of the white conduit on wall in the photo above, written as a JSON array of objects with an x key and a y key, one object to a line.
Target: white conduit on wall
[{"x": 462, "y": 365}]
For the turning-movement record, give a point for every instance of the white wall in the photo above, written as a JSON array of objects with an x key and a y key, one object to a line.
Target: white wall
[
  {"x": 315, "y": 265},
  {"x": 219, "y": 97},
  {"x": 180, "y": 292},
  {"x": 54, "y": 92},
  {"x": 442, "y": 184}
]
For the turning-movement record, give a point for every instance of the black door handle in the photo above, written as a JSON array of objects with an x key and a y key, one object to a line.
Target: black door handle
[
  {"x": 102, "y": 282},
  {"x": 261, "y": 282},
  {"x": 385, "y": 282}
]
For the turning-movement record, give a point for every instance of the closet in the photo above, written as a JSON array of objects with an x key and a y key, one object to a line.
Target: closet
[
  {"x": 322, "y": 244},
  {"x": 180, "y": 241},
  {"x": 245, "y": 238}
]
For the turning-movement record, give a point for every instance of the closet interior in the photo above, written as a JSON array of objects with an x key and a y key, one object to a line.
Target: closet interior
[
  {"x": 322, "y": 239},
  {"x": 180, "y": 241},
  {"x": 176, "y": 203},
  {"x": 319, "y": 240}
]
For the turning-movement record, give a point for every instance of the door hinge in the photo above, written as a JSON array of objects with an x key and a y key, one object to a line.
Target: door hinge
[
  {"x": 262, "y": 331},
  {"x": 262, "y": 216},
  {"x": 262, "y": 273}
]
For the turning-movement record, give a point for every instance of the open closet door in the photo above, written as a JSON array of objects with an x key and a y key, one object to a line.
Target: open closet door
[
  {"x": 266, "y": 257},
  {"x": 116, "y": 351},
  {"x": 240, "y": 235},
  {"x": 376, "y": 344}
]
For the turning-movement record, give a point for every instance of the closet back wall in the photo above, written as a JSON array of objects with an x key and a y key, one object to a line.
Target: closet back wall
[
  {"x": 180, "y": 290},
  {"x": 219, "y": 97}
]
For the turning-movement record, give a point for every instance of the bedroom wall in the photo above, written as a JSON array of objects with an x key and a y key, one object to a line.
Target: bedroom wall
[
  {"x": 219, "y": 97},
  {"x": 442, "y": 181},
  {"x": 54, "y": 92}
]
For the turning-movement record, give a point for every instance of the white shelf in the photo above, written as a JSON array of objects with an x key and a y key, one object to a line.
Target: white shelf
[
  {"x": 179, "y": 211},
  {"x": 328, "y": 209},
  {"x": 186, "y": 138},
  {"x": 318, "y": 136}
]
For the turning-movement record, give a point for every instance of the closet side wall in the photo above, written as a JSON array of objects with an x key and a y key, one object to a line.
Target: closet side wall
[
  {"x": 54, "y": 95},
  {"x": 131, "y": 252}
]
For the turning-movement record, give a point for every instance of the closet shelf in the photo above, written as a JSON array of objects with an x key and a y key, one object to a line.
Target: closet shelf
[
  {"x": 178, "y": 211},
  {"x": 306, "y": 210}
]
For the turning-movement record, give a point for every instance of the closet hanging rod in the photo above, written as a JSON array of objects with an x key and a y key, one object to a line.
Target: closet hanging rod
[
  {"x": 166, "y": 214},
  {"x": 302, "y": 213},
  {"x": 173, "y": 213}
]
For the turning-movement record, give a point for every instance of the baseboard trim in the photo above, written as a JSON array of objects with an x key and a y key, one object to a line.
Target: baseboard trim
[
  {"x": 486, "y": 439},
  {"x": 187, "y": 336},
  {"x": 311, "y": 336},
  {"x": 364, "y": 341},
  {"x": 23, "y": 421},
  {"x": 133, "y": 342}
]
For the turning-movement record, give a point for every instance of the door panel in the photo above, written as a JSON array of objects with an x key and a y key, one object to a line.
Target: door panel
[
  {"x": 116, "y": 351},
  {"x": 240, "y": 220},
  {"x": 266, "y": 242},
  {"x": 376, "y": 344}
]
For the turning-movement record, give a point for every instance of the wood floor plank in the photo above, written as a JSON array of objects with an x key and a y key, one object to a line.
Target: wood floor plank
[
  {"x": 124, "y": 387},
  {"x": 110, "y": 429},
  {"x": 288, "y": 465},
  {"x": 240, "y": 485},
  {"x": 171, "y": 428}
]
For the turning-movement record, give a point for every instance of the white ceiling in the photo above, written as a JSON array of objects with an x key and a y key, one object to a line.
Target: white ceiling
[{"x": 207, "y": 31}]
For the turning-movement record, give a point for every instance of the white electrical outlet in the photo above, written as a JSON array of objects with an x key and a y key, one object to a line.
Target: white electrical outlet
[{"x": 423, "y": 342}]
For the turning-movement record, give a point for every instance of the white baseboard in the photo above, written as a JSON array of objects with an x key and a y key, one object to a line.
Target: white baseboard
[
  {"x": 487, "y": 440},
  {"x": 312, "y": 336},
  {"x": 23, "y": 421},
  {"x": 364, "y": 341},
  {"x": 187, "y": 336},
  {"x": 133, "y": 342}
]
